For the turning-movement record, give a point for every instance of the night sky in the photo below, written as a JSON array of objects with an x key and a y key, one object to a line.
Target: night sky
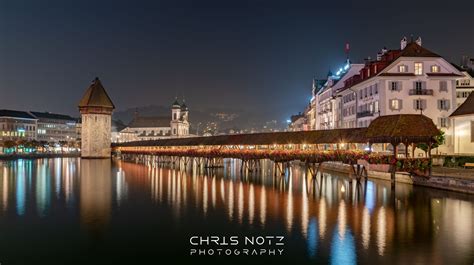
[{"x": 254, "y": 55}]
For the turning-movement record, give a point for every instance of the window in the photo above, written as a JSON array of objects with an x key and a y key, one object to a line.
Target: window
[
  {"x": 402, "y": 68},
  {"x": 435, "y": 69},
  {"x": 394, "y": 86},
  {"x": 419, "y": 104},
  {"x": 443, "y": 122},
  {"x": 376, "y": 87},
  {"x": 443, "y": 104},
  {"x": 418, "y": 86},
  {"x": 443, "y": 86},
  {"x": 418, "y": 68},
  {"x": 376, "y": 106},
  {"x": 395, "y": 104}
]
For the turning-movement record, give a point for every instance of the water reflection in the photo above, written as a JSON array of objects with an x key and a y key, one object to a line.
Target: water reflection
[
  {"x": 339, "y": 221},
  {"x": 95, "y": 194}
]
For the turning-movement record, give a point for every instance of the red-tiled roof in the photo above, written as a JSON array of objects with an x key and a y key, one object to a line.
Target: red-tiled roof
[
  {"x": 414, "y": 50},
  {"x": 411, "y": 50}
]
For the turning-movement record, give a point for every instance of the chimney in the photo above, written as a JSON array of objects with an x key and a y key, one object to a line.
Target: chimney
[
  {"x": 379, "y": 56},
  {"x": 418, "y": 41},
  {"x": 384, "y": 50},
  {"x": 403, "y": 43},
  {"x": 367, "y": 60}
]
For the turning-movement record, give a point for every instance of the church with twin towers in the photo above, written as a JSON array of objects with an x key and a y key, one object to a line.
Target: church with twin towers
[{"x": 146, "y": 127}]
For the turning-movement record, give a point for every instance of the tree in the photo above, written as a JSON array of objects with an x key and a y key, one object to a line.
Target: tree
[
  {"x": 439, "y": 140},
  {"x": 9, "y": 144}
]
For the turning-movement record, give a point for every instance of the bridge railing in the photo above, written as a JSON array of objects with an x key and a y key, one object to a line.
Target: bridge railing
[{"x": 350, "y": 157}]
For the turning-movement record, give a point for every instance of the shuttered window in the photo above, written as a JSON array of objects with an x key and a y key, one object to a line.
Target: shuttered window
[
  {"x": 443, "y": 104},
  {"x": 443, "y": 86},
  {"x": 419, "y": 104}
]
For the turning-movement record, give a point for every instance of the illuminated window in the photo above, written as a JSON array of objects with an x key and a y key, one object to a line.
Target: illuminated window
[
  {"x": 418, "y": 68},
  {"x": 402, "y": 69},
  {"x": 435, "y": 69},
  {"x": 395, "y": 104}
]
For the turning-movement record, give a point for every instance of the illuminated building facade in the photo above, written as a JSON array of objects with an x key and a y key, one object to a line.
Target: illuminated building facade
[
  {"x": 463, "y": 127},
  {"x": 329, "y": 102},
  {"x": 298, "y": 123},
  {"x": 17, "y": 125},
  {"x": 409, "y": 80},
  {"x": 55, "y": 127},
  {"x": 464, "y": 86}
]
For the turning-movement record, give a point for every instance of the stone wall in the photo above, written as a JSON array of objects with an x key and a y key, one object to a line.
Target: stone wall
[{"x": 95, "y": 136}]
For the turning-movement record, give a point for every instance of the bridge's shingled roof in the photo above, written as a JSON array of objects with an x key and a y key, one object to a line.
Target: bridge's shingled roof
[
  {"x": 303, "y": 137},
  {"x": 385, "y": 129}
]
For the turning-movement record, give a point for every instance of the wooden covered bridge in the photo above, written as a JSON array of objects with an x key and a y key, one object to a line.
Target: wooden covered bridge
[{"x": 349, "y": 146}]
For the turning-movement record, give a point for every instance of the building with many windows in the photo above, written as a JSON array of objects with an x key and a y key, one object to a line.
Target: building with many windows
[
  {"x": 55, "y": 128},
  {"x": 464, "y": 85},
  {"x": 17, "y": 125},
  {"x": 297, "y": 122},
  {"x": 329, "y": 106},
  {"x": 408, "y": 80}
]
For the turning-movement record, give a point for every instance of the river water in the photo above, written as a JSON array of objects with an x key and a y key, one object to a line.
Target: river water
[{"x": 73, "y": 211}]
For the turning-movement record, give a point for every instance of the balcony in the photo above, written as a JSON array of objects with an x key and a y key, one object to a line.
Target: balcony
[
  {"x": 364, "y": 114},
  {"x": 421, "y": 92}
]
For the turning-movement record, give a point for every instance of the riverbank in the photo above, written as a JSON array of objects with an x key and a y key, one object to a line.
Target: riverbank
[
  {"x": 456, "y": 183},
  {"x": 35, "y": 156}
]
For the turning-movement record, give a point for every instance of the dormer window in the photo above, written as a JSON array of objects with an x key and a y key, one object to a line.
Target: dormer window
[
  {"x": 418, "y": 68},
  {"x": 402, "y": 68},
  {"x": 435, "y": 68}
]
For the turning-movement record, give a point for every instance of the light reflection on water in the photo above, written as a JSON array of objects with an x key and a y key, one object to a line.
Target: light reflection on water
[{"x": 336, "y": 220}]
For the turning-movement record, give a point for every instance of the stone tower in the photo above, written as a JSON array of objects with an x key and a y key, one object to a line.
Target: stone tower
[{"x": 96, "y": 112}]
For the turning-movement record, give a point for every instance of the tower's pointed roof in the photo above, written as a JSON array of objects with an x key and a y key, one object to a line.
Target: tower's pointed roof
[
  {"x": 466, "y": 108},
  {"x": 96, "y": 96}
]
